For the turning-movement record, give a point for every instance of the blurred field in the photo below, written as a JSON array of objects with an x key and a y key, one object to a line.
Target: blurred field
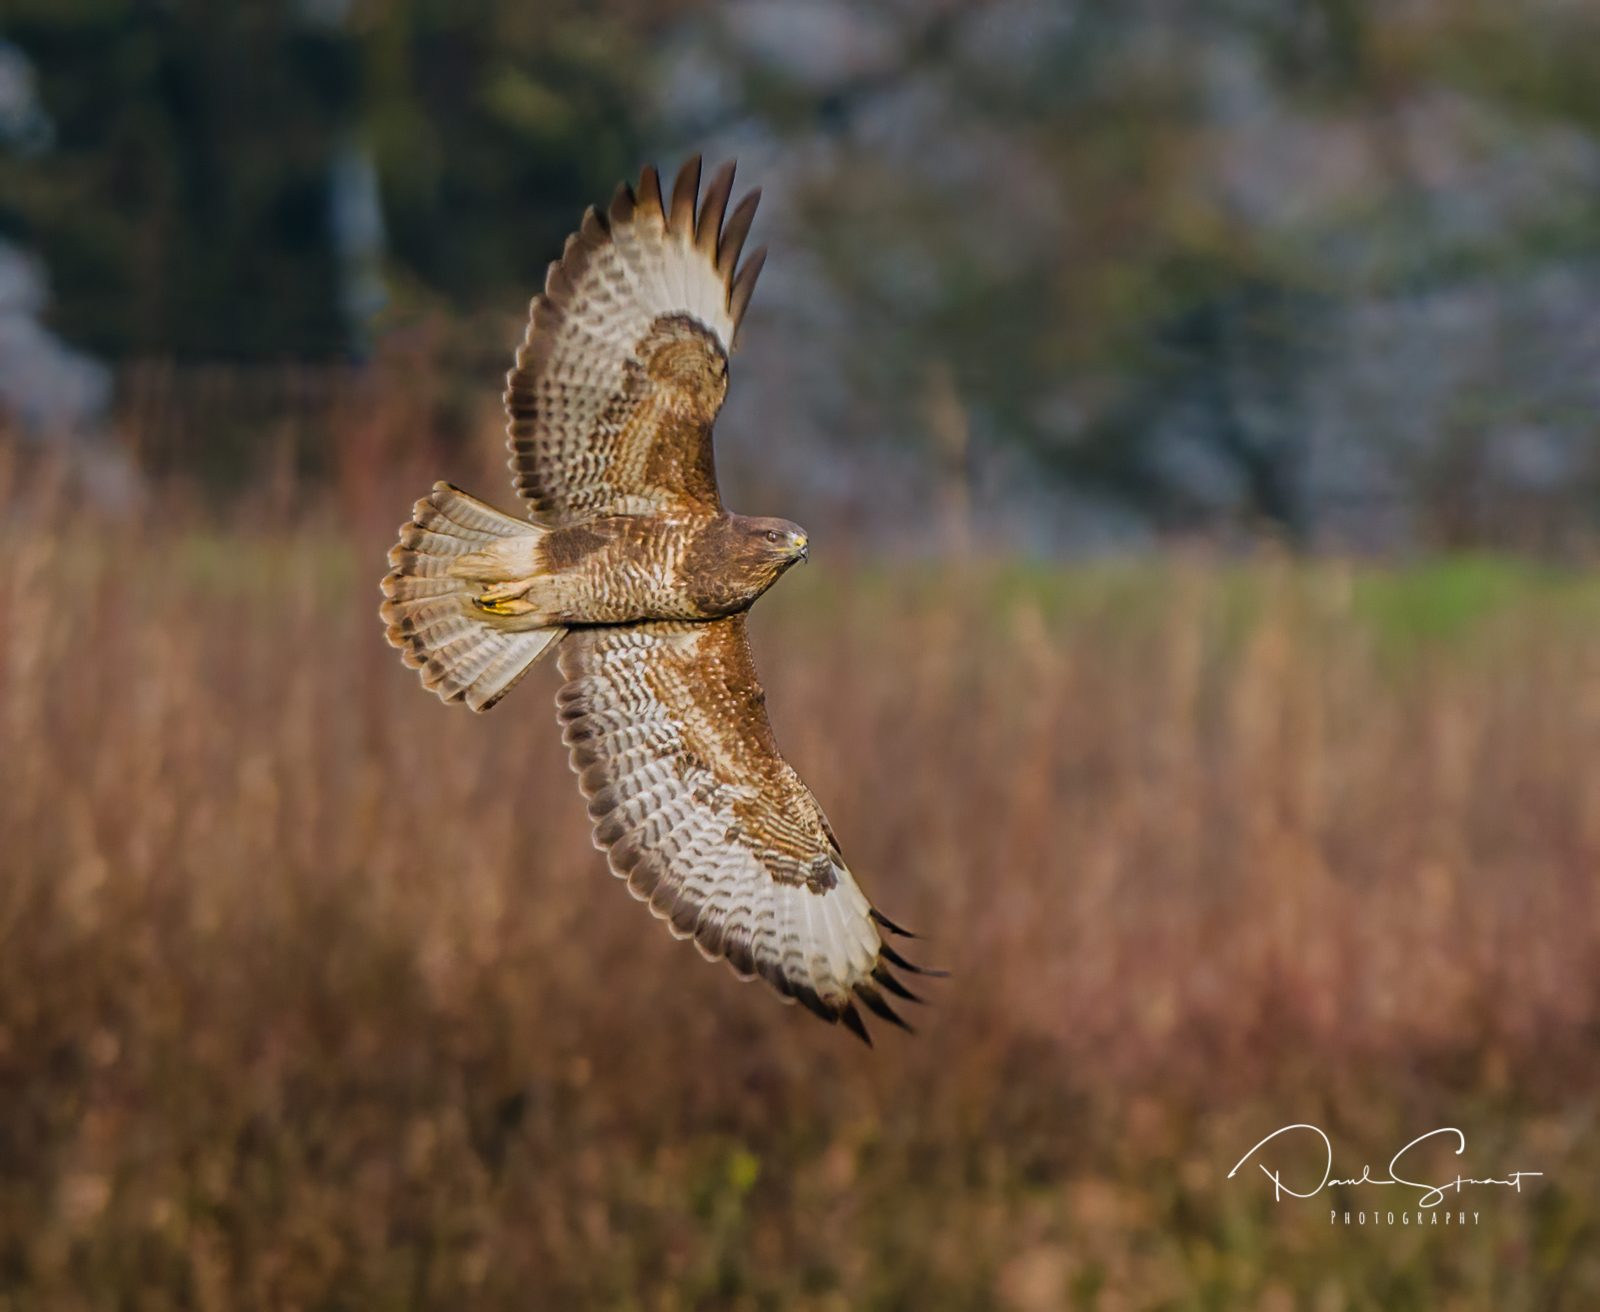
[{"x": 313, "y": 993}]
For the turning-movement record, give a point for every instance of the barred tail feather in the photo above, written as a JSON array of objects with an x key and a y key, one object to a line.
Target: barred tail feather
[{"x": 454, "y": 549}]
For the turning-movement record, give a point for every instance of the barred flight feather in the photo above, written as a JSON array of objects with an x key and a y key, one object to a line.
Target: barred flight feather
[
  {"x": 589, "y": 415},
  {"x": 704, "y": 819}
]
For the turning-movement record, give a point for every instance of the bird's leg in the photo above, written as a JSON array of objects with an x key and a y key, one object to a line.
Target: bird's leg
[
  {"x": 505, "y": 571},
  {"x": 505, "y": 598}
]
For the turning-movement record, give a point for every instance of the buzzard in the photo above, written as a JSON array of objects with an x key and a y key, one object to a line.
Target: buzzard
[{"x": 630, "y": 568}]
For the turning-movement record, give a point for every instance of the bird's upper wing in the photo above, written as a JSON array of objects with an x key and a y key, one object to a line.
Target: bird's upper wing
[
  {"x": 625, "y": 362},
  {"x": 668, "y": 730}
]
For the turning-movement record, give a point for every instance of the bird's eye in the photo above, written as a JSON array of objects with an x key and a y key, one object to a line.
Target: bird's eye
[{"x": 774, "y": 536}]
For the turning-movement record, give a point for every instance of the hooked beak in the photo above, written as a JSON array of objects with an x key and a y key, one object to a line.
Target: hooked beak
[{"x": 802, "y": 548}]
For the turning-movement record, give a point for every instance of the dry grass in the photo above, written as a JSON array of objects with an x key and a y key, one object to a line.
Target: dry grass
[{"x": 313, "y": 993}]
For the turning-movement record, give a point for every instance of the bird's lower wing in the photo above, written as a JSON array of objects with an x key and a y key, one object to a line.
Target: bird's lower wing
[{"x": 696, "y": 809}]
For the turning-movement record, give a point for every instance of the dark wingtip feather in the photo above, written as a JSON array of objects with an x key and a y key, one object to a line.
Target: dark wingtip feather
[
  {"x": 622, "y": 204},
  {"x": 744, "y": 284},
  {"x": 882, "y": 975},
  {"x": 594, "y": 229},
  {"x": 876, "y": 1004},
  {"x": 734, "y": 232},
  {"x": 853, "y": 1022},
  {"x": 895, "y": 959},
  {"x": 812, "y": 1002},
  {"x": 648, "y": 199},
  {"x": 891, "y": 926},
  {"x": 685, "y": 192},
  {"x": 712, "y": 207}
]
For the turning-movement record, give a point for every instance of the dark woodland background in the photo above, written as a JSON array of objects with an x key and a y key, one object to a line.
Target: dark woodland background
[
  {"x": 1196, "y": 413},
  {"x": 1104, "y": 272}
]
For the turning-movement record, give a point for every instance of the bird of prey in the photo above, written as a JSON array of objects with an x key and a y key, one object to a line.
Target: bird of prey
[{"x": 632, "y": 571}]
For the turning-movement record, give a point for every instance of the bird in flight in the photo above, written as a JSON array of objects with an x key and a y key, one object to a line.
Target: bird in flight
[{"x": 631, "y": 570}]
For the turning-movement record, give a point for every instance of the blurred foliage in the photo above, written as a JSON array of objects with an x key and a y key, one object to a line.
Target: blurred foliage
[
  {"x": 1315, "y": 270},
  {"x": 1186, "y": 295},
  {"x": 492, "y": 126},
  {"x": 183, "y": 206},
  {"x": 314, "y": 993}
]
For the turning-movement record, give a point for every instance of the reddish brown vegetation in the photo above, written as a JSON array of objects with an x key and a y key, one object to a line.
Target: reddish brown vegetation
[{"x": 314, "y": 994}]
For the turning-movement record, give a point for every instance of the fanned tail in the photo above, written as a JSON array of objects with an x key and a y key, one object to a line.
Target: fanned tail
[{"x": 454, "y": 603}]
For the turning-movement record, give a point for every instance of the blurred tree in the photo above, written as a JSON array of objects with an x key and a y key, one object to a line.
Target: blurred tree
[
  {"x": 187, "y": 199},
  {"x": 181, "y": 206},
  {"x": 1151, "y": 245},
  {"x": 492, "y": 123},
  {"x": 1227, "y": 264}
]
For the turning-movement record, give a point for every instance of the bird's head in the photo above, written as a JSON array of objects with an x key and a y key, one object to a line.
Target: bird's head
[
  {"x": 756, "y": 550},
  {"x": 738, "y": 557},
  {"x": 774, "y": 544},
  {"x": 778, "y": 540}
]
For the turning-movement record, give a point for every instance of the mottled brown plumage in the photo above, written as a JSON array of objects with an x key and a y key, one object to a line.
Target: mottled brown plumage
[{"x": 633, "y": 567}]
